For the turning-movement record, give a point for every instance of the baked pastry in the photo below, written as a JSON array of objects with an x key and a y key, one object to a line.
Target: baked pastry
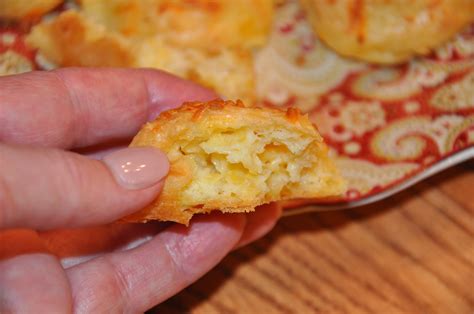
[
  {"x": 387, "y": 31},
  {"x": 228, "y": 157},
  {"x": 26, "y": 9},
  {"x": 227, "y": 71},
  {"x": 210, "y": 42},
  {"x": 70, "y": 39},
  {"x": 198, "y": 23}
]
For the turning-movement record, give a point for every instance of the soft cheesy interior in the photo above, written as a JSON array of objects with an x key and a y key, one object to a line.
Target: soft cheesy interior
[{"x": 245, "y": 164}]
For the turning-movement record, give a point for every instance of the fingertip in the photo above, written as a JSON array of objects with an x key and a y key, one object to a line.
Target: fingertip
[
  {"x": 215, "y": 225},
  {"x": 260, "y": 222},
  {"x": 231, "y": 221},
  {"x": 178, "y": 91}
]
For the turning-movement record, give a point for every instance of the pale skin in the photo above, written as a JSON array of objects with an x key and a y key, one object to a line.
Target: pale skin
[{"x": 48, "y": 187}]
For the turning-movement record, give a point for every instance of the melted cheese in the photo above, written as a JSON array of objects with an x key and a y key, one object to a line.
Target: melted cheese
[{"x": 242, "y": 164}]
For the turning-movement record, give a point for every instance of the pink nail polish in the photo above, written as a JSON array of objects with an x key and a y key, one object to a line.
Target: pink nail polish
[{"x": 137, "y": 167}]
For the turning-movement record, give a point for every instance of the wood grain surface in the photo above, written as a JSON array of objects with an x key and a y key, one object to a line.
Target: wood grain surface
[{"x": 412, "y": 253}]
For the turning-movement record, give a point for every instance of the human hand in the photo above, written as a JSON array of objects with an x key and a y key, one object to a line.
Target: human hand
[{"x": 45, "y": 187}]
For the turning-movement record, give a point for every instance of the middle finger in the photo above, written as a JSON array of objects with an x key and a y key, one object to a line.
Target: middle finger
[{"x": 137, "y": 279}]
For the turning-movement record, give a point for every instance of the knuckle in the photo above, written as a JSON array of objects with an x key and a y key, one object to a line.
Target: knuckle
[
  {"x": 108, "y": 283},
  {"x": 7, "y": 201},
  {"x": 174, "y": 253},
  {"x": 119, "y": 286},
  {"x": 73, "y": 121},
  {"x": 71, "y": 179}
]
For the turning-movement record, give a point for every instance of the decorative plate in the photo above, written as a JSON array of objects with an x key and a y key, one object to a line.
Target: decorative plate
[{"x": 388, "y": 127}]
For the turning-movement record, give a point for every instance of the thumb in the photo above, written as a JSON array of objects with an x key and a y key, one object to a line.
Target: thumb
[{"x": 49, "y": 188}]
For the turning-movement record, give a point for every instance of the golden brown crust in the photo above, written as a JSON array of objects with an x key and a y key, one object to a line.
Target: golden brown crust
[
  {"x": 198, "y": 23},
  {"x": 26, "y": 9},
  {"x": 72, "y": 40},
  {"x": 95, "y": 36},
  {"x": 387, "y": 31},
  {"x": 196, "y": 133}
]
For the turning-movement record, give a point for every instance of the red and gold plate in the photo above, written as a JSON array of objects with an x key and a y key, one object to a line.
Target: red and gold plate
[{"x": 388, "y": 127}]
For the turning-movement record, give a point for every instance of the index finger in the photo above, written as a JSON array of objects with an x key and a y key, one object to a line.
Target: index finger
[{"x": 78, "y": 107}]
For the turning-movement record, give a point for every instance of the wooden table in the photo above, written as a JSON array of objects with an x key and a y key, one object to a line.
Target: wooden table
[{"x": 412, "y": 253}]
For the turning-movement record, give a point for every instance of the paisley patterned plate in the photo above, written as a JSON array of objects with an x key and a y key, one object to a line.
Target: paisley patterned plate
[{"x": 387, "y": 127}]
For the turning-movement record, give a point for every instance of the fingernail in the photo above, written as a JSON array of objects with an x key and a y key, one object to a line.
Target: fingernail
[{"x": 137, "y": 167}]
